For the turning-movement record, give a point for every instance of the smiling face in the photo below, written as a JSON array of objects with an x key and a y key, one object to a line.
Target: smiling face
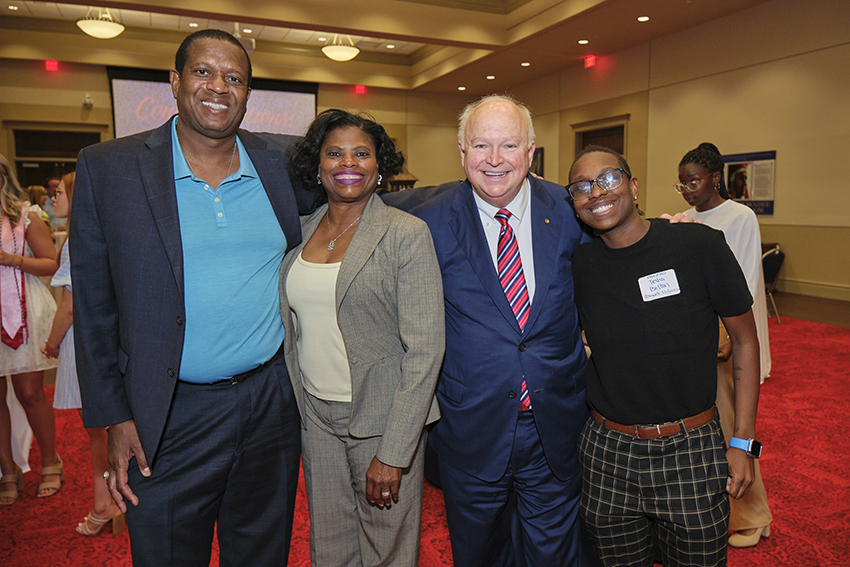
[
  {"x": 495, "y": 152},
  {"x": 705, "y": 197},
  {"x": 61, "y": 204},
  {"x": 608, "y": 212},
  {"x": 349, "y": 165},
  {"x": 212, "y": 92}
]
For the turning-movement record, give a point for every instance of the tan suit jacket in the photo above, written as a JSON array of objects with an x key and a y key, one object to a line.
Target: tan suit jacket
[{"x": 389, "y": 300}]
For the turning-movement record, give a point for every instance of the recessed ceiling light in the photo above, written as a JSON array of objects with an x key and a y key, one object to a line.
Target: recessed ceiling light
[
  {"x": 491, "y": 77},
  {"x": 526, "y": 64},
  {"x": 390, "y": 46},
  {"x": 583, "y": 42},
  {"x": 461, "y": 88},
  {"x": 193, "y": 24},
  {"x": 247, "y": 30},
  {"x": 13, "y": 8},
  {"x": 323, "y": 38},
  {"x": 643, "y": 19}
]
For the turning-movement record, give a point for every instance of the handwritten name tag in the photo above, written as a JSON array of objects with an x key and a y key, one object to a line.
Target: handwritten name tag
[{"x": 658, "y": 285}]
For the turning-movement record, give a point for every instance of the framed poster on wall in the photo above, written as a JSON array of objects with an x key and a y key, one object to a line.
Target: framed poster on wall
[{"x": 750, "y": 179}]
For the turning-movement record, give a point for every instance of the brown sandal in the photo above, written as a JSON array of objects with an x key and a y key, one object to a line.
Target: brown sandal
[
  {"x": 18, "y": 479},
  {"x": 59, "y": 469}
]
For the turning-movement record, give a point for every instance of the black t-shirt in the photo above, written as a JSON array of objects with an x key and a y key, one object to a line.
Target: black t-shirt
[{"x": 650, "y": 315}]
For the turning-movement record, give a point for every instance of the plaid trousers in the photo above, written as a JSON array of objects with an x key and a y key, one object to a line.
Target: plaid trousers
[{"x": 669, "y": 492}]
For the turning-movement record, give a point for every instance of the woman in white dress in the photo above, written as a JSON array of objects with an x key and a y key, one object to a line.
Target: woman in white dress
[
  {"x": 701, "y": 184},
  {"x": 26, "y": 310},
  {"x": 60, "y": 343}
]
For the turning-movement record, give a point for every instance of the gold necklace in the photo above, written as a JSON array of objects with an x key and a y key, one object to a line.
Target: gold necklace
[{"x": 333, "y": 240}]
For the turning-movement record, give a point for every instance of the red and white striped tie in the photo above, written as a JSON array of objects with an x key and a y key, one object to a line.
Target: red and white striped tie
[{"x": 513, "y": 281}]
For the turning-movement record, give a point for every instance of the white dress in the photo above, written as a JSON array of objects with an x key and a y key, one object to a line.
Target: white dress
[
  {"x": 27, "y": 358},
  {"x": 41, "y": 308},
  {"x": 67, "y": 393},
  {"x": 741, "y": 227}
]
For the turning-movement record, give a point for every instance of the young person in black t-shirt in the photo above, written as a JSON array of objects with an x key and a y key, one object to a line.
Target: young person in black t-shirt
[{"x": 655, "y": 466}]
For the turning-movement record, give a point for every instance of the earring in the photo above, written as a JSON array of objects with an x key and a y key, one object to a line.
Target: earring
[
  {"x": 380, "y": 178},
  {"x": 635, "y": 197},
  {"x": 717, "y": 187},
  {"x": 319, "y": 179}
]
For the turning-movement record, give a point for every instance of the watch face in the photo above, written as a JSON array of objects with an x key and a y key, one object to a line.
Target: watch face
[{"x": 755, "y": 448}]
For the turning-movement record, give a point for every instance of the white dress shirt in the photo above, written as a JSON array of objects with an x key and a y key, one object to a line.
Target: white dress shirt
[{"x": 520, "y": 209}]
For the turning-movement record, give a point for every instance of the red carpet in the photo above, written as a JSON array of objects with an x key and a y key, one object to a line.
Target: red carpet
[{"x": 803, "y": 413}]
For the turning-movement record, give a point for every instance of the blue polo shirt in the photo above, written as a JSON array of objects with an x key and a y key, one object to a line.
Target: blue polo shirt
[{"x": 232, "y": 249}]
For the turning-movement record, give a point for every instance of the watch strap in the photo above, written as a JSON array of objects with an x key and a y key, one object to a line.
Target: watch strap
[{"x": 738, "y": 443}]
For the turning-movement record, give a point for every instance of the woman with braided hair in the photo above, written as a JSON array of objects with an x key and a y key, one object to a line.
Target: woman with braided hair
[{"x": 702, "y": 185}]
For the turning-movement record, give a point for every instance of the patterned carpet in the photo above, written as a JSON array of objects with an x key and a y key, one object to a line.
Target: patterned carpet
[{"x": 803, "y": 411}]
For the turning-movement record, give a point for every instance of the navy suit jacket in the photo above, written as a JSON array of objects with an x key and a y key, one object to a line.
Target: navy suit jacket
[
  {"x": 127, "y": 272},
  {"x": 487, "y": 355}
]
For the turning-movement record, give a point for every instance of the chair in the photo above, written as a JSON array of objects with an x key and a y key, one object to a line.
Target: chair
[{"x": 771, "y": 261}]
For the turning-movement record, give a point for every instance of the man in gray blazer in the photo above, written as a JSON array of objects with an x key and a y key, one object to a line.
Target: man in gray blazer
[{"x": 176, "y": 239}]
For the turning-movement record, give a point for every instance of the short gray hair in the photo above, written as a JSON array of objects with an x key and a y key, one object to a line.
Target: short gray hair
[{"x": 472, "y": 106}]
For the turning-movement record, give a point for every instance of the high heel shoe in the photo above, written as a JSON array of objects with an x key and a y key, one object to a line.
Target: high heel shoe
[
  {"x": 58, "y": 468},
  {"x": 91, "y": 526},
  {"x": 739, "y": 540},
  {"x": 18, "y": 478}
]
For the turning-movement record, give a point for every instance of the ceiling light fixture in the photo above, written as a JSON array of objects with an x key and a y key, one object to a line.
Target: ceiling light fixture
[
  {"x": 340, "y": 50},
  {"x": 104, "y": 26},
  {"x": 193, "y": 24},
  {"x": 491, "y": 77},
  {"x": 247, "y": 30},
  {"x": 526, "y": 64},
  {"x": 461, "y": 88},
  {"x": 13, "y": 8},
  {"x": 390, "y": 46},
  {"x": 583, "y": 42},
  {"x": 643, "y": 19}
]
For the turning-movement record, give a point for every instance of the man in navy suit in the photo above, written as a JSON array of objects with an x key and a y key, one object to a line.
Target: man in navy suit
[
  {"x": 511, "y": 391},
  {"x": 176, "y": 240}
]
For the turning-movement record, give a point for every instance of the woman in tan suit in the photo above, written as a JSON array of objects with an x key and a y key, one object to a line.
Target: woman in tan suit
[{"x": 362, "y": 303}]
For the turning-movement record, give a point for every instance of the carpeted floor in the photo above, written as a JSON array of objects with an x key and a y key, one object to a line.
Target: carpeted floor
[{"x": 803, "y": 410}]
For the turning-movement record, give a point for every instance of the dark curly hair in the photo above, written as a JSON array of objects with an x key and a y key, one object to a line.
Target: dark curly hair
[
  {"x": 708, "y": 156},
  {"x": 182, "y": 54},
  {"x": 305, "y": 155}
]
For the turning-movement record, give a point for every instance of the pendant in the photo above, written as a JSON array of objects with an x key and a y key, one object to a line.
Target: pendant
[{"x": 331, "y": 245}]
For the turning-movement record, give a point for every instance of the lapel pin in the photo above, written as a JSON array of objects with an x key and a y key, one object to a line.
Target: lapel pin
[{"x": 546, "y": 221}]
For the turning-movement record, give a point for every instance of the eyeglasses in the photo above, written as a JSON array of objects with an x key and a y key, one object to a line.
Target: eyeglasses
[
  {"x": 690, "y": 186},
  {"x": 607, "y": 181}
]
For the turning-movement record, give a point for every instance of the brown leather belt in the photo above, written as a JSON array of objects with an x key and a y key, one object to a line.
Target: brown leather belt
[{"x": 656, "y": 431}]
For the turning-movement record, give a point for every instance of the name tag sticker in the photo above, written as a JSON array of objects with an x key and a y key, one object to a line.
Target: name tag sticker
[{"x": 658, "y": 285}]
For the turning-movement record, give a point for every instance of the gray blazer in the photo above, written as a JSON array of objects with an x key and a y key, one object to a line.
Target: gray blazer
[{"x": 389, "y": 300}]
